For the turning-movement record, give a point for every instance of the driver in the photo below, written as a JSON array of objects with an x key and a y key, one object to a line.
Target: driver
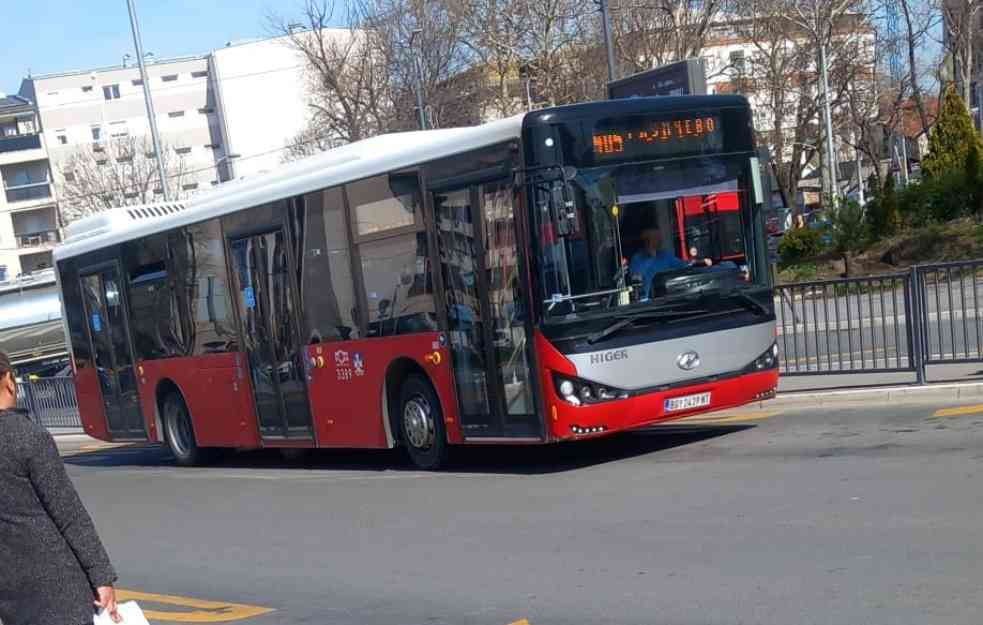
[{"x": 651, "y": 259}]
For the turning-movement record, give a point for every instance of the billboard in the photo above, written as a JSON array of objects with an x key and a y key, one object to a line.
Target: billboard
[{"x": 682, "y": 78}]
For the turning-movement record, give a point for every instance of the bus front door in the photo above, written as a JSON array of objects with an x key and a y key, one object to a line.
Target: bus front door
[
  {"x": 109, "y": 339},
  {"x": 486, "y": 321},
  {"x": 267, "y": 310}
]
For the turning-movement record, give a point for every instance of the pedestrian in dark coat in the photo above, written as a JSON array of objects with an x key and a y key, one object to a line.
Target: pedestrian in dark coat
[{"x": 53, "y": 567}]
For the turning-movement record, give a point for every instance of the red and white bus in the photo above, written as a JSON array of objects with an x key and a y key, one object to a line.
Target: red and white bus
[{"x": 427, "y": 289}]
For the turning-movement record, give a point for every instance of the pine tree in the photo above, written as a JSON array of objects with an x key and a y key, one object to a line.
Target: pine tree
[{"x": 950, "y": 138}]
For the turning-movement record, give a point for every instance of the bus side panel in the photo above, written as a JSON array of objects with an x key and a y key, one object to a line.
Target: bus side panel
[
  {"x": 218, "y": 394},
  {"x": 91, "y": 407},
  {"x": 348, "y": 381}
]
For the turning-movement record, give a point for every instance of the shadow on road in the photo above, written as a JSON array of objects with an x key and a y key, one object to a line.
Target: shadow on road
[{"x": 491, "y": 459}]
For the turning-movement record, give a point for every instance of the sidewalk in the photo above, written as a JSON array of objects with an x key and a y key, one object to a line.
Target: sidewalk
[{"x": 962, "y": 391}]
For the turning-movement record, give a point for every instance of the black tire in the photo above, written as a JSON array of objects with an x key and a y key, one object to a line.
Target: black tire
[
  {"x": 421, "y": 423},
  {"x": 179, "y": 433}
]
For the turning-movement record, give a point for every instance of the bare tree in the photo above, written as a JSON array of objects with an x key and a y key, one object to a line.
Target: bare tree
[
  {"x": 650, "y": 33},
  {"x": 308, "y": 142},
  {"x": 962, "y": 27},
  {"x": 346, "y": 75},
  {"x": 119, "y": 172}
]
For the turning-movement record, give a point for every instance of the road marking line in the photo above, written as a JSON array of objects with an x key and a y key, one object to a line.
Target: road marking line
[
  {"x": 729, "y": 418},
  {"x": 202, "y": 611},
  {"x": 520, "y": 622},
  {"x": 960, "y": 411}
]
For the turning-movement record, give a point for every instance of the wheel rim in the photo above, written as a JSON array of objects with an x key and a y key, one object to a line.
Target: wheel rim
[
  {"x": 179, "y": 430},
  {"x": 418, "y": 423}
]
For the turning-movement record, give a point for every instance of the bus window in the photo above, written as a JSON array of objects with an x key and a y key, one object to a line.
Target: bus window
[
  {"x": 320, "y": 240},
  {"x": 202, "y": 290},
  {"x": 385, "y": 203},
  {"x": 398, "y": 285}
]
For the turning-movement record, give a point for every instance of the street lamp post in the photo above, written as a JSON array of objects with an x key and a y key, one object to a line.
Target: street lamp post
[
  {"x": 828, "y": 115},
  {"x": 608, "y": 43},
  {"x": 419, "y": 78},
  {"x": 152, "y": 116}
]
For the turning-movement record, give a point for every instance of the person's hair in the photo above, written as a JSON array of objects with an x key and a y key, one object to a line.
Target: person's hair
[{"x": 5, "y": 366}]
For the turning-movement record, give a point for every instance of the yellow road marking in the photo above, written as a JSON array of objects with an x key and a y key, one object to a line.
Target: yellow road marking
[
  {"x": 727, "y": 418},
  {"x": 520, "y": 622},
  {"x": 960, "y": 411},
  {"x": 201, "y": 611}
]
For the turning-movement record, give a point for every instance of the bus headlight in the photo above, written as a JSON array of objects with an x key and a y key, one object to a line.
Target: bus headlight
[
  {"x": 578, "y": 392},
  {"x": 767, "y": 360}
]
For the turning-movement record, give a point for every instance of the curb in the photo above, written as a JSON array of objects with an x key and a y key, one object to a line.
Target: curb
[{"x": 952, "y": 392}]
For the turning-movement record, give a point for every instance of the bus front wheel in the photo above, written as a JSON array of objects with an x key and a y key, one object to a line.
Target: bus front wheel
[
  {"x": 421, "y": 423},
  {"x": 179, "y": 433}
]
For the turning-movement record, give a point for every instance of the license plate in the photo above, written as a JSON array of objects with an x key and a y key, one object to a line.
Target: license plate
[{"x": 687, "y": 402}]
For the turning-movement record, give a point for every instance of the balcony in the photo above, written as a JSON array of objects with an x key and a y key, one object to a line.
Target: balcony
[
  {"x": 29, "y": 192},
  {"x": 37, "y": 240},
  {"x": 17, "y": 143}
]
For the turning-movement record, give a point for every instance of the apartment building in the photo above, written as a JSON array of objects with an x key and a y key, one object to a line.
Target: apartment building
[
  {"x": 28, "y": 210},
  {"x": 84, "y": 109},
  {"x": 245, "y": 76}
]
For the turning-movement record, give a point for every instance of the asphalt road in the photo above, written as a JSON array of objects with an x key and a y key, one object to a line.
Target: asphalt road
[{"x": 854, "y": 514}]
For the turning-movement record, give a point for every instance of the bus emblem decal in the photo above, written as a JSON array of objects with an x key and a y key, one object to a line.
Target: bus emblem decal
[{"x": 687, "y": 361}]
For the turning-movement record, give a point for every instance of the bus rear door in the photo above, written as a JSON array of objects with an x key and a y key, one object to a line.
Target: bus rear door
[{"x": 109, "y": 338}]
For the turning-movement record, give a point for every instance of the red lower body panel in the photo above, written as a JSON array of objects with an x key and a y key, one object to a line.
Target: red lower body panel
[
  {"x": 347, "y": 387},
  {"x": 217, "y": 390},
  {"x": 91, "y": 407},
  {"x": 648, "y": 409}
]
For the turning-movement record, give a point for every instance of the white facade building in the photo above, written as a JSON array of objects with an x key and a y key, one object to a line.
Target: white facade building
[
  {"x": 28, "y": 212},
  {"x": 86, "y": 107},
  {"x": 246, "y": 76}
]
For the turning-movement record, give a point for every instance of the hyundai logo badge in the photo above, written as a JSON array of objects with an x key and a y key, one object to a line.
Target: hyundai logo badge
[{"x": 687, "y": 361}]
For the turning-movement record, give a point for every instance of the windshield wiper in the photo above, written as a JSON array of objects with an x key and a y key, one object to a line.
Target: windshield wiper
[
  {"x": 630, "y": 319},
  {"x": 748, "y": 302}
]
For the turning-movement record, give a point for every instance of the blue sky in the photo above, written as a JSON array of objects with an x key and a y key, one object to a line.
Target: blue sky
[{"x": 46, "y": 36}]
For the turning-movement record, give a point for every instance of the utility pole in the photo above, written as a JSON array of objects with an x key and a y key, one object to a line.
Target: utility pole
[
  {"x": 154, "y": 135},
  {"x": 608, "y": 43},
  {"x": 417, "y": 64},
  {"x": 828, "y": 115}
]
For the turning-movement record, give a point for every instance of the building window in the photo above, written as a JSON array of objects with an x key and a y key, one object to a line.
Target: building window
[
  {"x": 169, "y": 78},
  {"x": 205, "y": 110},
  {"x": 110, "y": 92},
  {"x": 191, "y": 186},
  {"x": 201, "y": 74},
  {"x": 69, "y": 176},
  {"x": 183, "y": 150},
  {"x": 101, "y": 161},
  {"x": 214, "y": 146},
  {"x": 118, "y": 130},
  {"x": 173, "y": 114},
  {"x": 131, "y": 195},
  {"x": 96, "y": 133},
  {"x": 737, "y": 61},
  {"x": 125, "y": 159},
  {"x": 214, "y": 183},
  {"x": 138, "y": 82},
  {"x": 3, "y": 273},
  {"x": 86, "y": 88},
  {"x": 62, "y": 140}
]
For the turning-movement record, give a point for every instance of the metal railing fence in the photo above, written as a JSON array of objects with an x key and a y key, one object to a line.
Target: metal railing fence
[
  {"x": 899, "y": 322},
  {"x": 51, "y": 402}
]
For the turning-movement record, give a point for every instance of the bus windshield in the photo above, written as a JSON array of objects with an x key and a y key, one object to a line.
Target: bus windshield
[{"x": 633, "y": 233}]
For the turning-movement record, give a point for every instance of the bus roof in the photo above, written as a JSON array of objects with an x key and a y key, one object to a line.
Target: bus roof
[{"x": 347, "y": 163}]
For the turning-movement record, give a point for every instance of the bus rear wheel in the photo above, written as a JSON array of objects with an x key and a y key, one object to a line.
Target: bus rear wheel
[
  {"x": 179, "y": 433},
  {"x": 421, "y": 423}
]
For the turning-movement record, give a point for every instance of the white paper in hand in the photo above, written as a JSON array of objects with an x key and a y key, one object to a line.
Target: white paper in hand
[{"x": 130, "y": 611}]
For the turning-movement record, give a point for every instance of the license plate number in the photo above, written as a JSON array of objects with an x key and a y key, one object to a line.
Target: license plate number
[{"x": 687, "y": 402}]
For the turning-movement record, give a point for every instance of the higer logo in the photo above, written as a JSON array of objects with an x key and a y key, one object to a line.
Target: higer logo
[{"x": 603, "y": 357}]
